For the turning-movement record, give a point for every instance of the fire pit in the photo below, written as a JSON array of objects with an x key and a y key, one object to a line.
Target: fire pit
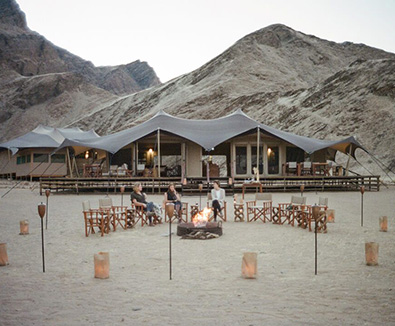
[{"x": 200, "y": 228}]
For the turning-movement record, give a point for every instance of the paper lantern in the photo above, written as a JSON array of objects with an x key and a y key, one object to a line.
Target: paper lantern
[
  {"x": 249, "y": 265},
  {"x": 102, "y": 265},
  {"x": 200, "y": 186},
  {"x": 122, "y": 189},
  {"x": 330, "y": 215},
  {"x": 184, "y": 181},
  {"x": 383, "y": 223},
  {"x": 372, "y": 253},
  {"x": 24, "y": 227},
  {"x": 3, "y": 254}
]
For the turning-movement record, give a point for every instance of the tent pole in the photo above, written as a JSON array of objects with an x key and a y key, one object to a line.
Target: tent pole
[
  {"x": 348, "y": 161},
  {"x": 159, "y": 157},
  {"x": 257, "y": 153},
  {"x": 68, "y": 162}
]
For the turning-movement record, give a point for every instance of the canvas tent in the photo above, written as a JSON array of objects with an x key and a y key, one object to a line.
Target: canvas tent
[
  {"x": 208, "y": 134},
  {"x": 29, "y": 154}
]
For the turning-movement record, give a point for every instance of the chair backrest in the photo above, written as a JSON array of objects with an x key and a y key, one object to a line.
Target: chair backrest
[
  {"x": 292, "y": 165},
  {"x": 86, "y": 205},
  {"x": 307, "y": 165},
  {"x": 105, "y": 202},
  {"x": 140, "y": 167},
  {"x": 322, "y": 201},
  {"x": 263, "y": 196},
  {"x": 298, "y": 200},
  {"x": 113, "y": 167}
]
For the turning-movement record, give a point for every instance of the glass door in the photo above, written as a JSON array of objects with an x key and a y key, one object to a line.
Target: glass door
[{"x": 273, "y": 159}]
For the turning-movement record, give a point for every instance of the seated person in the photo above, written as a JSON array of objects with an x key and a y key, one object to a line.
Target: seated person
[
  {"x": 139, "y": 200},
  {"x": 218, "y": 196},
  {"x": 172, "y": 196}
]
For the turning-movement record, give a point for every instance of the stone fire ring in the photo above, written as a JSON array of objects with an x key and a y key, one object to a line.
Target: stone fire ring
[{"x": 212, "y": 227}]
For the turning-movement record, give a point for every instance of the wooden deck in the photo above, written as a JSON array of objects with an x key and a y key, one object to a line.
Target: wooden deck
[{"x": 160, "y": 185}]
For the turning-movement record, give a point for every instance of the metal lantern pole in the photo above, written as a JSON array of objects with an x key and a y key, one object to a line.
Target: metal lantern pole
[
  {"x": 47, "y": 193},
  {"x": 122, "y": 190},
  {"x": 362, "y": 192},
  {"x": 170, "y": 213},
  {"x": 41, "y": 213},
  {"x": 200, "y": 196},
  {"x": 301, "y": 189},
  {"x": 315, "y": 211}
]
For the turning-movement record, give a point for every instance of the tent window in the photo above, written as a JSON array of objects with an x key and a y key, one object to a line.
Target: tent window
[
  {"x": 273, "y": 160},
  {"x": 21, "y": 160},
  {"x": 58, "y": 158},
  {"x": 241, "y": 159},
  {"x": 40, "y": 158},
  {"x": 28, "y": 158},
  {"x": 295, "y": 154}
]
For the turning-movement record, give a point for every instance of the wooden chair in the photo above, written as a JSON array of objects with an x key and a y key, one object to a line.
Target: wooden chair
[
  {"x": 323, "y": 203},
  {"x": 260, "y": 212},
  {"x": 292, "y": 168},
  {"x": 223, "y": 210},
  {"x": 184, "y": 213},
  {"x": 141, "y": 215},
  {"x": 119, "y": 213},
  {"x": 285, "y": 211},
  {"x": 96, "y": 218},
  {"x": 238, "y": 207},
  {"x": 306, "y": 168}
]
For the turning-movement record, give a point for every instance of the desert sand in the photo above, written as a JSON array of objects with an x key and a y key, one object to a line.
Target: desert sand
[{"x": 207, "y": 287}]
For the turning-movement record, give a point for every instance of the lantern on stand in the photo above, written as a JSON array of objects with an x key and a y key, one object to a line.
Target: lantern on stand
[
  {"x": 249, "y": 265},
  {"x": 3, "y": 254},
  {"x": 47, "y": 193},
  {"x": 24, "y": 227},
  {"x": 315, "y": 212},
  {"x": 362, "y": 189},
  {"x": 301, "y": 189},
  {"x": 41, "y": 213},
  {"x": 200, "y": 196},
  {"x": 122, "y": 190},
  {"x": 330, "y": 215},
  {"x": 102, "y": 265}
]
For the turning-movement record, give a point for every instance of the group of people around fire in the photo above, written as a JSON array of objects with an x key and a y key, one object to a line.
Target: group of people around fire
[{"x": 172, "y": 197}]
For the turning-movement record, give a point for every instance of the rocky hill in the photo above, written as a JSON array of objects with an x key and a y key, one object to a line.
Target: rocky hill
[
  {"x": 279, "y": 76},
  {"x": 39, "y": 79}
]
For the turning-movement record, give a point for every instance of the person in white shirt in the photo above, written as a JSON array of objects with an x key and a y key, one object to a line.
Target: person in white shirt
[{"x": 218, "y": 196}]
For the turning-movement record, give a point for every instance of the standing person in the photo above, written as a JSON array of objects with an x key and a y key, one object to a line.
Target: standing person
[
  {"x": 139, "y": 200},
  {"x": 218, "y": 196},
  {"x": 173, "y": 197}
]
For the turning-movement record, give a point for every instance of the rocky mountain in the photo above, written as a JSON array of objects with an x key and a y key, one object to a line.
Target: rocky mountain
[
  {"x": 39, "y": 79},
  {"x": 279, "y": 76}
]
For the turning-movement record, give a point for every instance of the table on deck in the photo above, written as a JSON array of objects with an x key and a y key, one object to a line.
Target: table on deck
[{"x": 251, "y": 185}]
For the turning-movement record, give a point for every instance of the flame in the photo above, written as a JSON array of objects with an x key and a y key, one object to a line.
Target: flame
[{"x": 201, "y": 218}]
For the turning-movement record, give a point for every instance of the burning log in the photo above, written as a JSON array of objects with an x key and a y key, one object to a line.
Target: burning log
[{"x": 200, "y": 235}]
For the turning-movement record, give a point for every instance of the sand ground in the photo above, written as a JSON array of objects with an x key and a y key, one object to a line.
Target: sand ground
[{"x": 207, "y": 287}]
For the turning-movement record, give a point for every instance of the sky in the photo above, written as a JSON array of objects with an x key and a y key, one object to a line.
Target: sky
[{"x": 178, "y": 36}]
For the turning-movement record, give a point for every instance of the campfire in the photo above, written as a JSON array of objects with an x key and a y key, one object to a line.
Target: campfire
[
  {"x": 201, "y": 218},
  {"x": 200, "y": 228}
]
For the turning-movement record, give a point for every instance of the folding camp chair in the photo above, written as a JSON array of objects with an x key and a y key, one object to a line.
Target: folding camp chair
[
  {"x": 260, "y": 208},
  {"x": 96, "y": 218}
]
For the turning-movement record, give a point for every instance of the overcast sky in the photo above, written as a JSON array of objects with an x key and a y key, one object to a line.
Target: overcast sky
[{"x": 178, "y": 36}]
